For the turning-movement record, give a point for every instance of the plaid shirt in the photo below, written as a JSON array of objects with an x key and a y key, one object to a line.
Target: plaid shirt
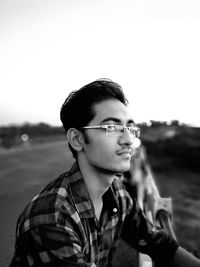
[{"x": 59, "y": 227}]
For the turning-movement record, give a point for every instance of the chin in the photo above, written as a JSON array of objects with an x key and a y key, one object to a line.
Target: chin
[
  {"x": 117, "y": 168},
  {"x": 124, "y": 168}
]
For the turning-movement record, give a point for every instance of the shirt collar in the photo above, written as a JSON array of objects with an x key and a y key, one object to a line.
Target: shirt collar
[
  {"x": 80, "y": 195},
  {"x": 79, "y": 192}
]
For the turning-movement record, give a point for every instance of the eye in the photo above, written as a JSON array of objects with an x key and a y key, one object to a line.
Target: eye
[
  {"x": 132, "y": 130},
  {"x": 112, "y": 128},
  {"x": 135, "y": 131}
]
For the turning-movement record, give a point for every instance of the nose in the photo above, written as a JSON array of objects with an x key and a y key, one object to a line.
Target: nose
[{"x": 126, "y": 138}]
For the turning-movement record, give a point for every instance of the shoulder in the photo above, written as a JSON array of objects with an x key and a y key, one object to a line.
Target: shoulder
[{"x": 45, "y": 207}]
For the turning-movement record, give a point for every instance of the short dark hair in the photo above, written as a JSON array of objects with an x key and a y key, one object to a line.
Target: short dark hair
[{"x": 77, "y": 110}]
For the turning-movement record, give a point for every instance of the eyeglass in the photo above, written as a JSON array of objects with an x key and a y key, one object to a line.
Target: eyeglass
[{"x": 117, "y": 130}]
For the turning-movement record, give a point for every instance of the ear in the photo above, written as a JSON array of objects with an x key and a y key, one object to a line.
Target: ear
[{"x": 75, "y": 139}]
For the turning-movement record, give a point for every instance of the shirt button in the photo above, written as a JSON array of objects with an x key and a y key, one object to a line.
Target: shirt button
[
  {"x": 142, "y": 243},
  {"x": 114, "y": 210}
]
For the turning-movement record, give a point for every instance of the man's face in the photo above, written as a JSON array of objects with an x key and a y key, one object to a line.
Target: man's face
[{"x": 109, "y": 154}]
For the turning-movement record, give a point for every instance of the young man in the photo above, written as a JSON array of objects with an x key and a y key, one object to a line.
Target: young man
[{"x": 78, "y": 219}]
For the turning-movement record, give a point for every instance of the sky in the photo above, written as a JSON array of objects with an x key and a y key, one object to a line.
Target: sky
[{"x": 50, "y": 47}]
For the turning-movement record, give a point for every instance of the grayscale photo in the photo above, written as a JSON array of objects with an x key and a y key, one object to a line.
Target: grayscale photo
[{"x": 99, "y": 133}]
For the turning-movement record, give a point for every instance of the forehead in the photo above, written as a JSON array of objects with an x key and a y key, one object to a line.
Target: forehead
[{"x": 111, "y": 108}]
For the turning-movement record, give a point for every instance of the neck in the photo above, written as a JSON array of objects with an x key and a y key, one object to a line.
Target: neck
[{"x": 97, "y": 182}]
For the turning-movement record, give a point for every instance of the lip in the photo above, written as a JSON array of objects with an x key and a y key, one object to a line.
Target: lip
[{"x": 125, "y": 152}]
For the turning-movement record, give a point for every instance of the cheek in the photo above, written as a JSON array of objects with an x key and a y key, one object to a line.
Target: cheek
[
  {"x": 103, "y": 155},
  {"x": 102, "y": 150}
]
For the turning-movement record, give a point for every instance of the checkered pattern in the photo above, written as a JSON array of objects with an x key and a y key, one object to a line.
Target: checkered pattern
[{"x": 59, "y": 228}]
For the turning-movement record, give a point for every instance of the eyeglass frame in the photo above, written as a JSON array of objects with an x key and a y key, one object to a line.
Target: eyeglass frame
[{"x": 121, "y": 128}]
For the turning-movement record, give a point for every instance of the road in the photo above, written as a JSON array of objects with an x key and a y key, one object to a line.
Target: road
[{"x": 22, "y": 173}]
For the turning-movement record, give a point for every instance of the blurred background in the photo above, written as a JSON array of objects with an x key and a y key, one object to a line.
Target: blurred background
[
  {"x": 33, "y": 155},
  {"x": 49, "y": 48}
]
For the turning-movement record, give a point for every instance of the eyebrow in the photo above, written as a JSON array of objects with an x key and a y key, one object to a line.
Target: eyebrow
[{"x": 117, "y": 120}]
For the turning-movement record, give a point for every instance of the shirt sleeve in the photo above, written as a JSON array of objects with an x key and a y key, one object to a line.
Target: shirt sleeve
[
  {"x": 139, "y": 233},
  {"x": 52, "y": 245}
]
